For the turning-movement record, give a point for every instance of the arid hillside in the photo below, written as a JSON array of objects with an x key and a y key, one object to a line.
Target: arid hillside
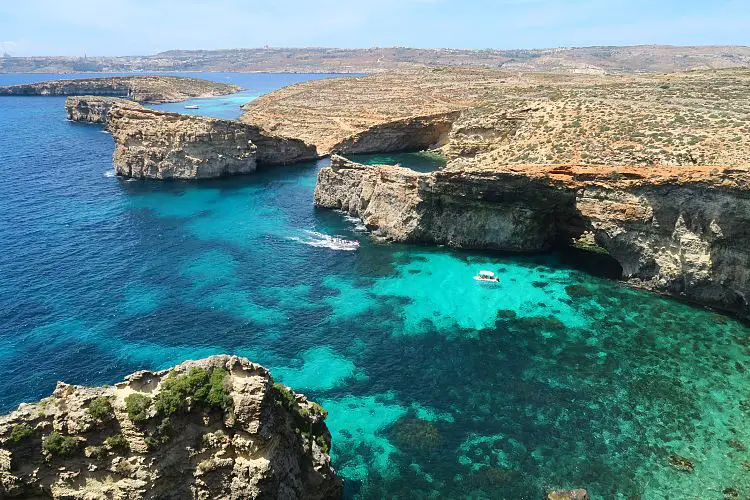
[
  {"x": 698, "y": 117},
  {"x": 590, "y": 60}
]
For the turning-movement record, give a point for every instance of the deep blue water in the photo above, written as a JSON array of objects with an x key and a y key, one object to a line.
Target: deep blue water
[{"x": 436, "y": 385}]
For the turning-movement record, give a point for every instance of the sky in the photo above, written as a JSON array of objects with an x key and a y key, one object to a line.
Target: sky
[{"x": 141, "y": 27}]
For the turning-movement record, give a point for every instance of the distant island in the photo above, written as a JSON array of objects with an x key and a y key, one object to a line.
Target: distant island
[{"x": 588, "y": 60}]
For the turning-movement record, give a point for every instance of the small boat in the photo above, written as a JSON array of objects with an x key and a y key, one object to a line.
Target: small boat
[
  {"x": 193, "y": 106},
  {"x": 487, "y": 277}
]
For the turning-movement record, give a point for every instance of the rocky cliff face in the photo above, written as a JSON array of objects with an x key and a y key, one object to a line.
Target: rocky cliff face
[
  {"x": 156, "y": 145},
  {"x": 679, "y": 230},
  {"x": 137, "y": 88},
  {"x": 214, "y": 428},
  {"x": 94, "y": 109}
]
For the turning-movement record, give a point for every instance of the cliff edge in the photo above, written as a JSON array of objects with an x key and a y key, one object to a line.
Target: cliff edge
[
  {"x": 214, "y": 428},
  {"x": 674, "y": 230}
]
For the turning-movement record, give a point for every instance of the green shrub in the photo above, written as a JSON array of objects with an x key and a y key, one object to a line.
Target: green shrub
[
  {"x": 137, "y": 406},
  {"x": 58, "y": 445},
  {"x": 96, "y": 451},
  {"x": 161, "y": 435},
  {"x": 100, "y": 409},
  {"x": 117, "y": 442},
  {"x": 198, "y": 386},
  {"x": 21, "y": 432}
]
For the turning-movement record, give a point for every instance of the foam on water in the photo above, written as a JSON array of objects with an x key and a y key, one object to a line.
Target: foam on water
[{"x": 436, "y": 385}]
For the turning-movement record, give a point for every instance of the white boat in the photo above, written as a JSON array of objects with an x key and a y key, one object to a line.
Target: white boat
[
  {"x": 487, "y": 277},
  {"x": 193, "y": 106}
]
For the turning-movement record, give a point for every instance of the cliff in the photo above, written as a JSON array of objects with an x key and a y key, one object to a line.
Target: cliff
[
  {"x": 155, "y": 145},
  {"x": 158, "y": 145},
  {"x": 674, "y": 230},
  {"x": 214, "y": 428},
  {"x": 153, "y": 89},
  {"x": 94, "y": 109}
]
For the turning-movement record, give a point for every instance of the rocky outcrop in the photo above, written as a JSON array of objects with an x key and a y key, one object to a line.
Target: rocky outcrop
[
  {"x": 156, "y": 145},
  {"x": 675, "y": 230},
  {"x": 415, "y": 133},
  {"x": 154, "y": 89},
  {"x": 482, "y": 210},
  {"x": 94, "y": 109},
  {"x": 213, "y": 428}
]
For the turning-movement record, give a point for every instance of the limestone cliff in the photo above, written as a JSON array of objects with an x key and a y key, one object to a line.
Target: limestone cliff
[
  {"x": 94, "y": 109},
  {"x": 209, "y": 429},
  {"x": 156, "y": 145},
  {"x": 153, "y": 89},
  {"x": 676, "y": 230}
]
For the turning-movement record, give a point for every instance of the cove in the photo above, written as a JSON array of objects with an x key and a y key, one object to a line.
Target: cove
[{"x": 437, "y": 386}]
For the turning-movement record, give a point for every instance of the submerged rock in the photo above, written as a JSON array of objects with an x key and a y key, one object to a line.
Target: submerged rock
[
  {"x": 675, "y": 230},
  {"x": 137, "y": 88},
  {"x": 681, "y": 463},
  {"x": 94, "y": 109},
  {"x": 213, "y": 428},
  {"x": 579, "y": 494}
]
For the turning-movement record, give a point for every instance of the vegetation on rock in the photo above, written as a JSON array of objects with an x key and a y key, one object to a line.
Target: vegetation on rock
[
  {"x": 21, "y": 432},
  {"x": 137, "y": 406},
  {"x": 58, "y": 445},
  {"x": 101, "y": 409},
  {"x": 117, "y": 442},
  {"x": 198, "y": 386}
]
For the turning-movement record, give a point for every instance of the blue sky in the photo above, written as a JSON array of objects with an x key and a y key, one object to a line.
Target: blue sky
[{"x": 131, "y": 27}]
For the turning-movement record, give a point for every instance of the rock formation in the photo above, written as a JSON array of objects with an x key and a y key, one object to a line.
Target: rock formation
[
  {"x": 676, "y": 230},
  {"x": 158, "y": 145},
  {"x": 211, "y": 429},
  {"x": 154, "y": 89},
  {"x": 94, "y": 109}
]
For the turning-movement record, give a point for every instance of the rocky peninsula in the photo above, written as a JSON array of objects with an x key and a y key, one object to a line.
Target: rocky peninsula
[
  {"x": 214, "y": 428},
  {"x": 151, "y": 89},
  {"x": 157, "y": 145}
]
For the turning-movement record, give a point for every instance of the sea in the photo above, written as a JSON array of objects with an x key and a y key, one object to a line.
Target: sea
[{"x": 437, "y": 386}]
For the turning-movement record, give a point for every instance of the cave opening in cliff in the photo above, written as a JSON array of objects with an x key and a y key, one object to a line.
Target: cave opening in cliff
[{"x": 596, "y": 263}]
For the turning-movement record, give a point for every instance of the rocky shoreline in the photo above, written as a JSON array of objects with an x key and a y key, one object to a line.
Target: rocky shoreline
[
  {"x": 679, "y": 231},
  {"x": 214, "y": 428},
  {"x": 151, "y": 89}
]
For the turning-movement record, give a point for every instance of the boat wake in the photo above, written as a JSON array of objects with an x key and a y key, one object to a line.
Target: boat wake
[
  {"x": 109, "y": 173},
  {"x": 320, "y": 240}
]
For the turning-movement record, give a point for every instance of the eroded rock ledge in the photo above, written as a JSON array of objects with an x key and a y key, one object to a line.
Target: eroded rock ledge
[
  {"x": 675, "y": 230},
  {"x": 94, "y": 109},
  {"x": 154, "y": 89},
  {"x": 213, "y": 428},
  {"x": 158, "y": 145}
]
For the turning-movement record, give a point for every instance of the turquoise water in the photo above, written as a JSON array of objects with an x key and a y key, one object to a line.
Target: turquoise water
[{"x": 437, "y": 386}]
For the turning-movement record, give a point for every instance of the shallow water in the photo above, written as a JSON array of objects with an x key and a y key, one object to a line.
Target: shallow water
[{"x": 437, "y": 386}]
